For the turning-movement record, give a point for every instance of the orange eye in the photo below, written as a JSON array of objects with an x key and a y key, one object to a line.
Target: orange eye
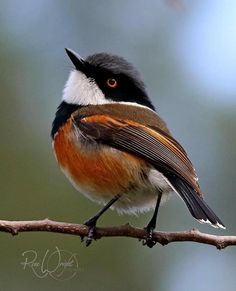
[{"x": 112, "y": 83}]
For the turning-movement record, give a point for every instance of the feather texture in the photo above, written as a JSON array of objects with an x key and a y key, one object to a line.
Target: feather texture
[{"x": 157, "y": 147}]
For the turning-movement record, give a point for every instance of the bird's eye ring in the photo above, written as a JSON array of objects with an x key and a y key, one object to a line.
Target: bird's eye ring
[{"x": 112, "y": 83}]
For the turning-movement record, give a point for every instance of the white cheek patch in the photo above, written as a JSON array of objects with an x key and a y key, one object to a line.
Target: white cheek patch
[{"x": 81, "y": 90}]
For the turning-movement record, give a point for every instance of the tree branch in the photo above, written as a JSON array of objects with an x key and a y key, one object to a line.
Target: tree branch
[{"x": 164, "y": 238}]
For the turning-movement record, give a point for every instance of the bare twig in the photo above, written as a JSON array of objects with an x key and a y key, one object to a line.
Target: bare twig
[{"x": 164, "y": 238}]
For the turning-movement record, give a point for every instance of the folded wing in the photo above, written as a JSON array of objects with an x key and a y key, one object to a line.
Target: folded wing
[{"x": 160, "y": 150}]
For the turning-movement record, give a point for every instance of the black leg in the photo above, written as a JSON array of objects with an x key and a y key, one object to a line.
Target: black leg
[
  {"x": 91, "y": 223},
  {"x": 152, "y": 224}
]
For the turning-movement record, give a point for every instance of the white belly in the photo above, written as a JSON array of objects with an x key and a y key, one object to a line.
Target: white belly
[{"x": 136, "y": 200}]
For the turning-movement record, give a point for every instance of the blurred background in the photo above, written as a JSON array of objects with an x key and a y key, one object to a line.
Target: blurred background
[{"x": 185, "y": 51}]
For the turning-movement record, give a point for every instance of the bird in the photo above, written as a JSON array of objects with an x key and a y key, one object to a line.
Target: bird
[{"x": 115, "y": 149}]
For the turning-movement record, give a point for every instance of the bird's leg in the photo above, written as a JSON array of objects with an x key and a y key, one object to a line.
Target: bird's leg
[
  {"x": 152, "y": 225},
  {"x": 91, "y": 223}
]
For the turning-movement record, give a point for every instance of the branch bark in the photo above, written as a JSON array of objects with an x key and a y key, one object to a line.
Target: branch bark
[{"x": 164, "y": 238}]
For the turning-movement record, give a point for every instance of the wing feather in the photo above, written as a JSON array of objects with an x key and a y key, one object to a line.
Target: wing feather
[{"x": 160, "y": 149}]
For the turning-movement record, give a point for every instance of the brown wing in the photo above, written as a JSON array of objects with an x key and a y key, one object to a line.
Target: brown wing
[{"x": 157, "y": 147}]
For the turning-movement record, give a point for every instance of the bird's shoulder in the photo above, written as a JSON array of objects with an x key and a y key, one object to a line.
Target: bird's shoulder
[{"x": 121, "y": 111}]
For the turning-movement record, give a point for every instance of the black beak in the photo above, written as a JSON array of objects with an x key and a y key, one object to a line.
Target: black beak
[{"x": 76, "y": 59}]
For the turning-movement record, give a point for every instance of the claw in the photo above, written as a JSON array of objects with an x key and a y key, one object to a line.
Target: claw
[
  {"x": 90, "y": 237},
  {"x": 81, "y": 238},
  {"x": 149, "y": 241},
  {"x": 91, "y": 224}
]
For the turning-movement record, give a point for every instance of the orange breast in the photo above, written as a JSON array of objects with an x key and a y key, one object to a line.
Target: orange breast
[{"x": 98, "y": 168}]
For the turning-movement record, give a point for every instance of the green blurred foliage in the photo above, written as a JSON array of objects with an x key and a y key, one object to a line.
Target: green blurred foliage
[{"x": 33, "y": 70}]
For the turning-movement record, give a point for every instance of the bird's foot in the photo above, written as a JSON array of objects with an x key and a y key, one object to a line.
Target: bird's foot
[
  {"x": 91, "y": 224},
  {"x": 149, "y": 241}
]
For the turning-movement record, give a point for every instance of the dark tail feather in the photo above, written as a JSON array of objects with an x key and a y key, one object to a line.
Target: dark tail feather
[{"x": 196, "y": 205}]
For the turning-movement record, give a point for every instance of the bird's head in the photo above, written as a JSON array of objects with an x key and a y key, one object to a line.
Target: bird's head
[{"x": 104, "y": 78}]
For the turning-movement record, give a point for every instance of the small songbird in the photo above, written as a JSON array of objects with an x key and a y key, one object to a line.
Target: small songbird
[{"x": 114, "y": 147}]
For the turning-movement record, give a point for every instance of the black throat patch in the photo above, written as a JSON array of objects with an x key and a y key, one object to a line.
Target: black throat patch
[{"x": 63, "y": 113}]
